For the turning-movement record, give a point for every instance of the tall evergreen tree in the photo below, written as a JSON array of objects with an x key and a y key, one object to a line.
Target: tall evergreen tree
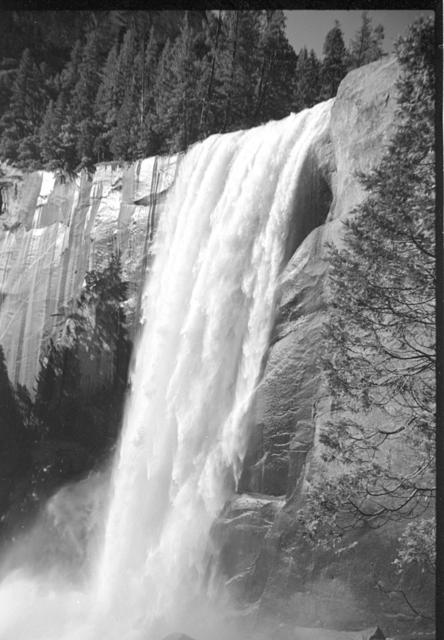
[
  {"x": 48, "y": 391},
  {"x": 380, "y": 338},
  {"x": 208, "y": 71},
  {"x": 277, "y": 70},
  {"x": 125, "y": 65},
  {"x": 333, "y": 67},
  {"x": 146, "y": 70},
  {"x": 65, "y": 406},
  {"x": 65, "y": 156},
  {"x": 125, "y": 135},
  {"x": 307, "y": 87},
  {"x": 81, "y": 112},
  {"x": 178, "y": 102},
  {"x": 129, "y": 94},
  {"x": 70, "y": 73},
  {"x": 8, "y": 72},
  {"x": 106, "y": 292},
  {"x": 20, "y": 124},
  {"x": 106, "y": 106},
  {"x": 242, "y": 68},
  {"x": 50, "y": 148},
  {"x": 366, "y": 46},
  {"x": 160, "y": 92}
]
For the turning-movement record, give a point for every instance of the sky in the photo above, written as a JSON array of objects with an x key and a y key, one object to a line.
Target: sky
[{"x": 309, "y": 28}]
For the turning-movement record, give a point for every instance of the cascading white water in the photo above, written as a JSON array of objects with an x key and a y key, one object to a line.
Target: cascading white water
[{"x": 207, "y": 313}]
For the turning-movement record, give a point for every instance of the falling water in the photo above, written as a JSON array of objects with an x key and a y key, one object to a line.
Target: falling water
[{"x": 207, "y": 314}]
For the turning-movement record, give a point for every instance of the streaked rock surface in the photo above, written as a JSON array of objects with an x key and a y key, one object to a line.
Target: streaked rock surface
[{"x": 51, "y": 233}]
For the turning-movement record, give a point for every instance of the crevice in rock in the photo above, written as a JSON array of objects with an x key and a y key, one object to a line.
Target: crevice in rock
[{"x": 312, "y": 206}]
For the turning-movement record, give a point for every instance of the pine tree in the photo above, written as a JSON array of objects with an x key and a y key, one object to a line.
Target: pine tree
[
  {"x": 333, "y": 67},
  {"x": 367, "y": 44},
  {"x": 161, "y": 89},
  {"x": 8, "y": 71},
  {"x": 64, "y": 153},
  {"x": 65, "y": 408},
  {"x": 106, "y": 106},
  {"x": 99, "y": 321},
  {"x": 208, "y": 68},
  {"x": 380, "y": 337},
  {"x": 215, "y": 70},
  {"x": 146, "y": 70},
  {"x": 48, "y": 134},
  {"x": 124, "y": 136},
  {"x": 81, "y": 112},
  {"x": 70, "y": 73},
  {"x": 178, "y": 102},
  {"x": 307, "y": 86},
  {"x": 275, "y": 87},
  {"x": 139, "y": 92},
  {"x": 128, "y": 88},
  {"x": 242, "y": 68},
  {"x": 48, "y": 394},
  {"x": 57, "y": 139},
  {"x": 20, "y": 124}
]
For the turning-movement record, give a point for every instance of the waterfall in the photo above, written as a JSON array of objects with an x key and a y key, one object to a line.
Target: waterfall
[{"x": 208, "y": 310}]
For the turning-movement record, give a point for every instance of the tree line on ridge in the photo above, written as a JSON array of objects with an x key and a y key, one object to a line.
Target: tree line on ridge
[{"x": 125, "y": 85}]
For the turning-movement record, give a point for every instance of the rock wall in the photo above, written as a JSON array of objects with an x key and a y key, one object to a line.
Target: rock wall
[
  {"x": 287, "y": 400},
  {"x": 52, "y": 232},
  {"x": 278, "y": 578}
]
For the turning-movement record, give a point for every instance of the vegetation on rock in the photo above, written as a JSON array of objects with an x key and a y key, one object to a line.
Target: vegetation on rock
[
  {"x": 333, "y": 67},
  {"x": 380, "y": 336},
  {"x": 366, "y": 46},
  {"x": 75, "y": 417},
  {"x": 122, "y": 85}
]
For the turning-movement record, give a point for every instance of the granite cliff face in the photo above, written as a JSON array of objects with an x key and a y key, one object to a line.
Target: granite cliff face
[
  {"x": 279, "y": 578},
  {"x": 289, "y": 400},
  {"x": 52, "y": 233}
]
